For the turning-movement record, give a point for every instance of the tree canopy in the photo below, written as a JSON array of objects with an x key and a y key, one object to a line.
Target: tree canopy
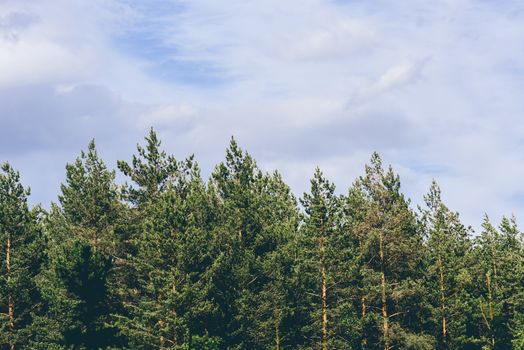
[{"x": 169, "y": 260}]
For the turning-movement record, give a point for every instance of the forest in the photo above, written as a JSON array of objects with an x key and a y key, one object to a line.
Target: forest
[{"x": 170, "y": 260}]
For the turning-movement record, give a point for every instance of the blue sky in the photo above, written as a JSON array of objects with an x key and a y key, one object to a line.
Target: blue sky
[{"x": 435, "y": 86}]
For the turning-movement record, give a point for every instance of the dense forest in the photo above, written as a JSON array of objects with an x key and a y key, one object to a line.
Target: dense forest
[{"x": 172, "y": 261}]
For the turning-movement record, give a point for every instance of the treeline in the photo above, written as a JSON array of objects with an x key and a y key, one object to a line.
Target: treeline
[{"x": 170, "y": 261}]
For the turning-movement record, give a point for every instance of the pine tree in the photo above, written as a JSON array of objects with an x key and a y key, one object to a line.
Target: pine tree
[
  {"x": 499, "y": 277},
  {"x": 172, "y": 262},
  {"x": 235, "y": 184},
  {"x": 247, "y": 205},
  {"x": 513, "y": 281},
  {"x": 90, "y": 203},
  {"x": 276, "y": 317},
  {"x": 447, "y": 248},
  {"x": 151, "y": 170},
  {"x": 487, "y": 259},
  {"x": 170, "y": 305},
  {"x": 392, "y": 270},
  {"x": 90, "y": 213},
  {"x": 21, "y": 258},
  {"x": 329, "y": 263}
]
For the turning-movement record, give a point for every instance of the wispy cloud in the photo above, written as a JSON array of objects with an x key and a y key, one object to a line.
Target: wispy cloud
[{"x": 434, "y": 86}]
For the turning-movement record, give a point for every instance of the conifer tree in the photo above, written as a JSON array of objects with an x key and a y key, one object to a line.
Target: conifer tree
[
  {"x": 151, "y": 170},
  {"x": 89, "y": 216},
  {"x": 276, "y": 320},
  {"x": 392, "y": 270},
  {"x": 246, "y": 207},
  {"x": 447, "y": 248},
  {"x": 329, "y": 264},
  {"x": 90, "y": 203},
  {"x": 235, "y": 184},
  {"x": 167, "y": 305},
  {"x": 512, "y": 246},
  {"x": 498, "y": 272},
  {"x": 170, "y": 305},
  {"x": 170, "y": 261},
  {"x": 21, "y": 257}
]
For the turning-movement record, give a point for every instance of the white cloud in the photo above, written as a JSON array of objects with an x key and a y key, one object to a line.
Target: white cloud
[
  {"x": 434, "y": 86},
  {"x": 397, "y": 75}
]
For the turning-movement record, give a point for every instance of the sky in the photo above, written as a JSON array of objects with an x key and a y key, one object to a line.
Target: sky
[{"x": 436, "y": 87}]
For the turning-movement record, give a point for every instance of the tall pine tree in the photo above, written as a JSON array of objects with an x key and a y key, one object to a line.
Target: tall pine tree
[
  {"x": 328, "y": 262},
  {"x": 447, "y": 248},
  {"x": 21, "y": 258},
  {"x": 86, "y": 236},
  {"x": 392, "y": 263}
]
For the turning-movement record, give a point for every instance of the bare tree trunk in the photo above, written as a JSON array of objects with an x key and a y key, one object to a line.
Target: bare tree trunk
[
  {"x": 95, "y": 242},
  {"x": 277, "y": 333},
  {"x": 363, "y": 309},
  {"x": 175, "y": 336},
  {"x": 490, "y": 298},
  {"x": 363, "y": 304},
  {"x": 324, "y": 295},
  {"x": 442, "y": 300},
  {"x": 11, "y": 304},
  {"x": 385, "y": 319}
]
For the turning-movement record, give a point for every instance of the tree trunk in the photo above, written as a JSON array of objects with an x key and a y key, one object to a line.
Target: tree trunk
[
  {"x": 324, "y": 295},
  {"x": 175, "y": 336},
  {"x": 442, "y": 300},
  {"x": 95, "y": 243},
  {"x": 363, "y": 304},
  {"x": 363, "y": 307},
  {"x": 277, "y": 333},
  {"x": 385, "y": 319},
  {"x": 11, "y": 304},
  {"x": 490, "y": 298}
]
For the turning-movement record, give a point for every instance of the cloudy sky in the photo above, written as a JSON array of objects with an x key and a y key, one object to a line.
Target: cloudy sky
[{"x": 436, "y": 87}]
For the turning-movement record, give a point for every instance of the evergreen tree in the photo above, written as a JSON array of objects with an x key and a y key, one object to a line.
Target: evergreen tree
[
  {"x": 392, "y": 269},
  {"x": 246, "y": 207},
  {"x": 447, "y": 248},
  {"x": 170, "y": 305},
  {"x": 90, "y": 203},
  {"x": 276, "y": 317},
  {"x": 151, "y": 170},
  {"x": 172, "y": 262},
  {"x": 167, "y": 304},
  {"x": 235, "y": 184},
  {"x": 499, "y": 277},
  {"x": 89, "y": 214},
  {"x": 328, "y": 262},
  {"x": 21, "y": 257}
]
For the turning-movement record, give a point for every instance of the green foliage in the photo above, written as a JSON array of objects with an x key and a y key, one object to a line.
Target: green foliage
[
  {"x": 83, "y": 275},
  {"x": 89, "y": 202},
  {"x": 328, "y": 262},
  {"x": 256, "y": 217},
  {"x": 170, "y": 261},
  {"x": 391, "y": 255},
  {"x": 21, "y": 258},
  {"x": 448, "y": 280},
  {"x": 151, "y": 170}
]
